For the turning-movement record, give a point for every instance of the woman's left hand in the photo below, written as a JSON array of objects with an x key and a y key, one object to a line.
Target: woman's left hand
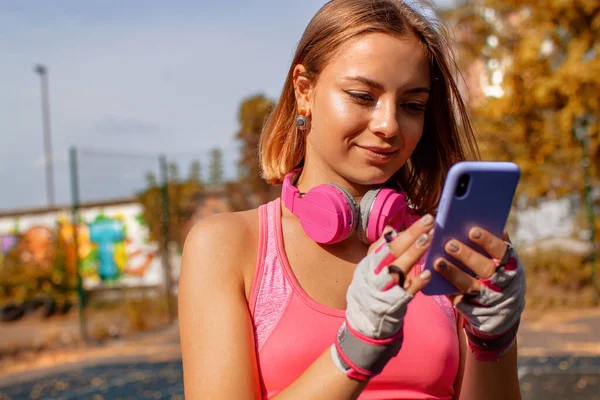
[{"x": 492, "y": 302}]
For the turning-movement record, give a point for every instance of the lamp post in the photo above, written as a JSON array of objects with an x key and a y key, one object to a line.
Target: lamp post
[
  {"x": 582, "y": 134},
  {"x": 42, "y": 71}
]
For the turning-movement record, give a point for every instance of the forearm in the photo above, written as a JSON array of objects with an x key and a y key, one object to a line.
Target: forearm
[
  {"x": 491, "y": 380},
  {"x": 322, "y": 380}
]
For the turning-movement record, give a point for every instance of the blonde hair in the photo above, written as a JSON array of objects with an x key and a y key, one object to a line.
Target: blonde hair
[{"x": 447, "y": 133}]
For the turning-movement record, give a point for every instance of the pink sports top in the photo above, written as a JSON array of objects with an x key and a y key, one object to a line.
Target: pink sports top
[{"x": 292, "y": 330}]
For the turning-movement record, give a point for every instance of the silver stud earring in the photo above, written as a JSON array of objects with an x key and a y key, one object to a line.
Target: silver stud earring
[{"x": 301, "y": 122}]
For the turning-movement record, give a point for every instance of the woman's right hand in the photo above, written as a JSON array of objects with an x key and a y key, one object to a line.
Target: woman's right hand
[{"x": 377, "y": 298}]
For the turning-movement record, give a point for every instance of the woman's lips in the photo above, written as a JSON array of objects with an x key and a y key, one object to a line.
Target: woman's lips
[{"x": 380, "y": 154}]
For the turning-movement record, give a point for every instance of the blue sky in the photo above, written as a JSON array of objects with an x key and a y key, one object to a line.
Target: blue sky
[{"x": 145, "y": 77}]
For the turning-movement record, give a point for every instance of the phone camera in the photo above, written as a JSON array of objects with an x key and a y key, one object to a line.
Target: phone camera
[{"x": 463, "y": 184}]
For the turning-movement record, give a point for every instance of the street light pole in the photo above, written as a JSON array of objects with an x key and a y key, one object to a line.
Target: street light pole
[{"x": 42, "y": 71}]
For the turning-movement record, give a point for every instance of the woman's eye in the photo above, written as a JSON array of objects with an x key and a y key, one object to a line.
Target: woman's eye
[
  {"x": 363, "y": 97},
  {"x": 415, "y": 107}
]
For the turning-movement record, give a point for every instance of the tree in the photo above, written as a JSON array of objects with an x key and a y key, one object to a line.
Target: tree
[
  {"x": 173, "y": 172},
  {"x": 195, "y": 175},
  {"x": 151, "y": 179},
  {"x": 542, "y": 73},
  {"x": 216, "y": 167},
  {"x": 252, "y": 115}
]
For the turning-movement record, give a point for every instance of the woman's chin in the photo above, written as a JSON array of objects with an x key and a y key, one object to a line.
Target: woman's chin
[{"x": 370, "y": 176}]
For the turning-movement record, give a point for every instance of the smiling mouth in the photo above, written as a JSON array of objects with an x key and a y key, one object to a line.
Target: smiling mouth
[{"x": 378, "y": 153}]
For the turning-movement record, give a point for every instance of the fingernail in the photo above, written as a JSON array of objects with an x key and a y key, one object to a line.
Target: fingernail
[
  {"x": 390, "y": 236},
  {"x": 476, "y": 234},
  {"x": 427, "y": 220},
  {"x": 443, "y": 265},
  {"x": 453, "y": 247},
  {"x": 425, "y": 274},
  {"x": 422, "y": 240},
  {"x": 407, "y": 284}
]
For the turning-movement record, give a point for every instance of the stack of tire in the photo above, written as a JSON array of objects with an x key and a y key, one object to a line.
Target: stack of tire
[{"x": 42, "y": 305}]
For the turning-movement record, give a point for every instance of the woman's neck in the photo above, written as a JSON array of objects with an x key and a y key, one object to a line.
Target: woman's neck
[{"x": 317, "y": 175}]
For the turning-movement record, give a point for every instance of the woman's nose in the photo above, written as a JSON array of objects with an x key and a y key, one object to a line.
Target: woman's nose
[{"x": 385, "y": 120}]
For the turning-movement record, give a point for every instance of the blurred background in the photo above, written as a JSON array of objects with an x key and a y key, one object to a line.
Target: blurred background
[{"x": 123, "y": 123}]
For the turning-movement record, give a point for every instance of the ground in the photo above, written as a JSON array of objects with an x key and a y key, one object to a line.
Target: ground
[{"x": 559, "y": 358}]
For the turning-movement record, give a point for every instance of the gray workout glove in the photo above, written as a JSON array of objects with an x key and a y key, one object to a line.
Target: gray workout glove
[
  {"x": 492, "y": 316},
  {"x": 371, "y": 335}
]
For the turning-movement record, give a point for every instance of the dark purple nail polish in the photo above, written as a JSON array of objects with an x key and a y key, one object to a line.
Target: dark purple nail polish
[
  {"x": 443, "y": 265},
  {"x": 390, "y": 236}
]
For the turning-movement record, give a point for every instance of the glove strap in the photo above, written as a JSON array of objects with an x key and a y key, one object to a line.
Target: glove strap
[
  {"x": 490, "y": 348},
  {"x": 360, "y": 357}
]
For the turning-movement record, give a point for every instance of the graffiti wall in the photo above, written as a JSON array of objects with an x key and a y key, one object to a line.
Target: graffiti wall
[{"x": 113, "y": 247}]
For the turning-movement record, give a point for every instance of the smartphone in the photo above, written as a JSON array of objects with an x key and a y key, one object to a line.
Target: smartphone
[{"x": 476, "y": 193}]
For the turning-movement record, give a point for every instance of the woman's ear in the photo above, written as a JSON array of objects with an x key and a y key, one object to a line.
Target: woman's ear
[{"x": 303, "y": 88}]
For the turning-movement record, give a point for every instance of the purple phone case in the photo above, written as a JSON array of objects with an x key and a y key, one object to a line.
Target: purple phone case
[{"x": 486, "y": 204}]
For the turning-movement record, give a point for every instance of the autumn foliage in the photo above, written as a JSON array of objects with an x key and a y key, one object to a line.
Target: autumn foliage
[{"x": 540, "y": 73}]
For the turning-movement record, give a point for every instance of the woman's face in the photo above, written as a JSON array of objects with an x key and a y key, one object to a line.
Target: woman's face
[{"x": 367, "y": 108}]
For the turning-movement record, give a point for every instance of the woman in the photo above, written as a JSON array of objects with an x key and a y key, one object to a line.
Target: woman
[{"x": 308, "y": 297}]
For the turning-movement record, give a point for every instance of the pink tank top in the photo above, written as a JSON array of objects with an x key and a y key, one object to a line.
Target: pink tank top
[{"x": 292, "y": 330}]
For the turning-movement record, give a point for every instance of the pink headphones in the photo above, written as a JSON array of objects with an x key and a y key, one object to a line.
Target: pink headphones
[{"x": 329, "y": 214}]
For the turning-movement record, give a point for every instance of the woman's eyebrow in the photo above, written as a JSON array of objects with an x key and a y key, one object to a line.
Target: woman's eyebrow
[
  {"x": 421, "y": 89},
  {"x": 367, "y": 81},
  {"x": 376, "y": 85}
]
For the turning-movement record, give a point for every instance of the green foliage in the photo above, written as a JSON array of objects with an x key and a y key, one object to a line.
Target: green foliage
[
  {"x": 151, "y": 179},
  {"x": 216, "y": 167},
  {"x": 178, "y": 196},
  {"x": 172, "y": 172},
  {"x": 22, "y": 279},
  {"x": 195, "y": 175}
]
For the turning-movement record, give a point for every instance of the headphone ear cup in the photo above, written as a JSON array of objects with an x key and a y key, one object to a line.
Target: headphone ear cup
[
  {"x": 366, "y": 204},
  {"x": 385, "y": 207},
  {"x": 354, "y": 208},
  {"x": 326, "y": 213}
]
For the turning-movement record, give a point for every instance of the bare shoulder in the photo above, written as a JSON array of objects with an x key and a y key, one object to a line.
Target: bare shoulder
[
  {"x": 215, "y": 326},
  {"x": 223, "y": 244}
]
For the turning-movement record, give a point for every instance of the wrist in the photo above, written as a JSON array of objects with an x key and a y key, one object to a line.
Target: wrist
[
  {"x": 487, "y": 347},
  {"x": 360, "y": 357}
]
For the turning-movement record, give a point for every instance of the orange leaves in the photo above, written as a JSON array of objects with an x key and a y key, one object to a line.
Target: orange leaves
[{"x": 547, "y": 54}]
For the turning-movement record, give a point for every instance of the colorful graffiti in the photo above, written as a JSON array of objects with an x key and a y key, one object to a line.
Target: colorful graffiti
[
  {"x": 107, "y": 252},
  {"x": 40, "y": 256}
]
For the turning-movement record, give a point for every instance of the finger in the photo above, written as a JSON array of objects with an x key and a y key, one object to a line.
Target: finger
[
  {"x": 396, "y": 244},
  {"x": 463, "y": 282},
  {"x": 418, "y": 283},
  {"x": 482, "y": 266},
  {"x": 493, "y": 245},
  {"x": 455, "y": 298},
  {"x": 379, "y": 242},
  {"x": 403, "y": 241},
  {"x": 411, "y": 256}
]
